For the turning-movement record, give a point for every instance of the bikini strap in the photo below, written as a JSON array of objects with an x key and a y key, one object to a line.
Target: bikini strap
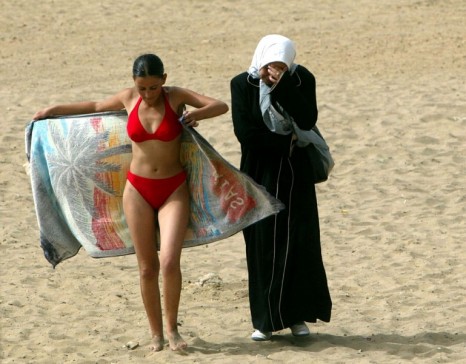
[{"x": 167, "y": 102}]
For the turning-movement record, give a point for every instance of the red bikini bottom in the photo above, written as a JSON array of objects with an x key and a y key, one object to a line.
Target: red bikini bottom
[{"x": 156, "y": 191}]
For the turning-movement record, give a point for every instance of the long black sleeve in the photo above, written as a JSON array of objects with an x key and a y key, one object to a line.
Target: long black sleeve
[
  {"x": 249, "y": 127},
  {"x": 297, "y": 95}
]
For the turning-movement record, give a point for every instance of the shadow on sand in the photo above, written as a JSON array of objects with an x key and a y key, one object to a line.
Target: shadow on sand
[{"x": 405, "y": 347}]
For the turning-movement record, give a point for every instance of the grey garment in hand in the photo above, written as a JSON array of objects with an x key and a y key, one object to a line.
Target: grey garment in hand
[{"x": 280, "y": 122}]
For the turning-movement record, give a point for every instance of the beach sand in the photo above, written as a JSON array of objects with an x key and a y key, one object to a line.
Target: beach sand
[{"x": 391, "y": 86}]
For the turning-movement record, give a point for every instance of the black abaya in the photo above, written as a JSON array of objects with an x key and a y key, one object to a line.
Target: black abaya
[{"x": 287, "y": 279}]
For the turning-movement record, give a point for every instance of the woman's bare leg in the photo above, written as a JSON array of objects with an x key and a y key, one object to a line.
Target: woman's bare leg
[
  {"x": 173, "y": 220},
  {"x": 140, "y": 217}
]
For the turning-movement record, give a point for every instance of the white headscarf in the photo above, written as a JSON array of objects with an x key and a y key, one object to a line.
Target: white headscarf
[
  {"x": 272, "y": 48},
  {"x": 277, "y": 48}
]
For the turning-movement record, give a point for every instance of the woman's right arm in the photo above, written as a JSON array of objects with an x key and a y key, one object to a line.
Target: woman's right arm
[
  {"x": 113, "y": 103},
  {"x": 249, "y": 127}
]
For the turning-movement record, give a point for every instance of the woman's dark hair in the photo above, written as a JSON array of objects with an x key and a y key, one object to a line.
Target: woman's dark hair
[{"x": 148, "y": 65}]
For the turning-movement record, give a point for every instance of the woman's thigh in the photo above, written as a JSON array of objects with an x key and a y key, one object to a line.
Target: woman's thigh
[
  {"x": 173, "y": 220},
  {"x": 141, "y": 220}
]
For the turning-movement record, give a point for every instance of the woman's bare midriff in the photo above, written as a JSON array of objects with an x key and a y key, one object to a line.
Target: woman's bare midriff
[{"x": 156, "y": 159}]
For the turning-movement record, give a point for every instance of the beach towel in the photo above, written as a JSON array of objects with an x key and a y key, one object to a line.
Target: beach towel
[{"x": 78, "y": 166}]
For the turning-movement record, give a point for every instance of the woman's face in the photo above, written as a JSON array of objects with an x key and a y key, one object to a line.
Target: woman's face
[
  {"x": 271, "y": 73},
  {"x": 150, "y": 87}
]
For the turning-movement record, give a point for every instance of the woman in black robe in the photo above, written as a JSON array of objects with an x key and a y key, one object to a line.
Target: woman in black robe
[{"x": 287, "y": 279}]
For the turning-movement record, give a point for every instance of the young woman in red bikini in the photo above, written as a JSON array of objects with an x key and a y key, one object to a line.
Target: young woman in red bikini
[{"x": 156, "y": 188}]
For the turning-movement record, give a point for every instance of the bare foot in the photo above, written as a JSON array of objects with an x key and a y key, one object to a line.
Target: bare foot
[
  {"x": 157, "y": 343},
  {"x": 176, "y": 341}
]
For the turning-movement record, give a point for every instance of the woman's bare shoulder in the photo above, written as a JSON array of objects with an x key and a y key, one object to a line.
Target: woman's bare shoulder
[
  {"x": 175, "y": 96},
  {"x": 173, "y": 91},
  {"x": 127, "y": 94},
  {"x": 128, "y": 97},
  {"x": 180, "y": 94}
]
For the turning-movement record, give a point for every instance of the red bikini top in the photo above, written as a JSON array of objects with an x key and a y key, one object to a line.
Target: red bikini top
[{"x": 168, "y": 129}]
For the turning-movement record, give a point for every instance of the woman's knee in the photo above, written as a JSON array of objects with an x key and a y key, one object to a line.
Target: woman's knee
[
  {"x": 149, "y": 272},
  {"x": 170, "y": 266}
]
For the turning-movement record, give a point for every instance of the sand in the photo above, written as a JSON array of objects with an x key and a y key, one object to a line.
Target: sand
[{"x": 391, "y": 95}]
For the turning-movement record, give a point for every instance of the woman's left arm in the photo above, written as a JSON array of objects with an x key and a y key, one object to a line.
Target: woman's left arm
[
  {"x": 205, "y": 107},
  {"x": 297, "y": 95}
]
